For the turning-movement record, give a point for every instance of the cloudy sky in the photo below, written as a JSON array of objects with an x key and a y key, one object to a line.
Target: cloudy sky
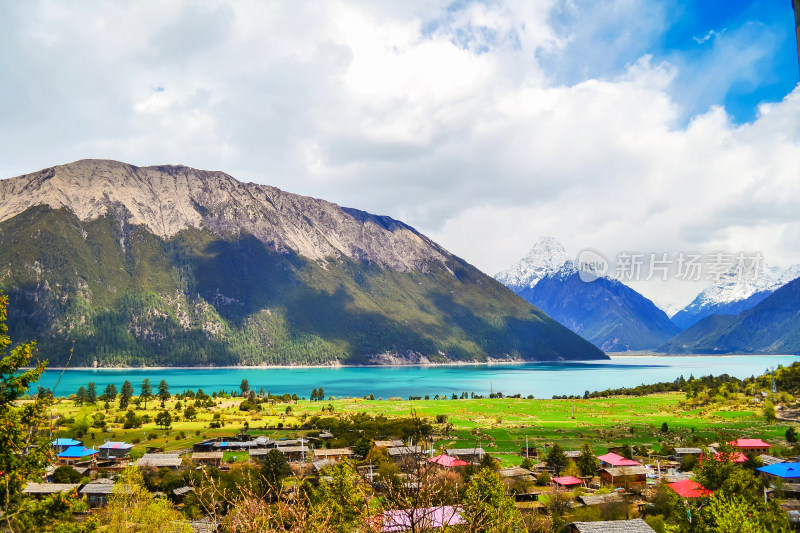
[{"x": 643, "y": 125}]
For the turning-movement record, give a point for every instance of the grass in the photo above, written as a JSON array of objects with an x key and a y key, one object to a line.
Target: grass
[{"x": 498, "y": 425}]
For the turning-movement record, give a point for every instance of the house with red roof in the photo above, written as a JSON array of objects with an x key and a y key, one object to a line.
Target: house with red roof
[
  {"x": 687, "y": 488},
  {"x": 447, "y": 461},
  {"x": 567, "y": 481},
  {"x": 754, "y": 446},
  {"x": 612, "y": 459}
]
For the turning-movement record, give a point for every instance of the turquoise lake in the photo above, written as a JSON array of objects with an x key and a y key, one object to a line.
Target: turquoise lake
[{"x": 543, "y": 380}]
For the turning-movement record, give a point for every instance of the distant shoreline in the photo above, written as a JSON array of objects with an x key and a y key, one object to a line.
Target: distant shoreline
[{"x": 613, "y": 355}]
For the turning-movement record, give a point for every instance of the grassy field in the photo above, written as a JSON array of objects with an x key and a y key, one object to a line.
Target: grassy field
[{"x": 499, "y": 425}]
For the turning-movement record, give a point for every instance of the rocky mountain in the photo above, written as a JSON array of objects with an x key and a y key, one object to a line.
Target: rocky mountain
[
  {"x": 734, "y": 293},
  {"x": 770, "y": 327},
  {"x": 607, "y": 313},
  {"x": 171, "y": 265}
]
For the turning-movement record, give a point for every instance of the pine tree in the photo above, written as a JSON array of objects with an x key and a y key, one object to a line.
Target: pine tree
[
  {"x": 163, "y": 392},
  {"x": 245, "y": 387},
  {"x": 146, "y": 392},
  {"x": 81, "y": 396},
  {"x": 314, "y": 395},
  {"x": 126, "y": 395},
  {"x": 91, "y": 391},
  {"x": 110, "y": 392}
]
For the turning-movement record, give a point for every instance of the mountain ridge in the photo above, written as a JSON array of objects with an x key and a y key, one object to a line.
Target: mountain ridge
[{"x": 242, "y": 274}]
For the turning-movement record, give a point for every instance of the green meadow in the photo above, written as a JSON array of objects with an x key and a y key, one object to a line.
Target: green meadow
[{"x": 500, "y": 425}]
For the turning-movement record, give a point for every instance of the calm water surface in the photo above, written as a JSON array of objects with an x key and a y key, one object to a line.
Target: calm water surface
[{"x": 543, "y": 380}]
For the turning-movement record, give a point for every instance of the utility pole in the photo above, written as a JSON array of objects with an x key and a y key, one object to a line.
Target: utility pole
[{"x": 796, "y": 6}]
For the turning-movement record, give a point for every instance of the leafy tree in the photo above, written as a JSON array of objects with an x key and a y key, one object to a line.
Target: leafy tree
[
  {"x": 587, "y": 462},
  {"x": 146, "y": 392},
  {"x": 91, "y": 390},
  {"x": 769, "y": 411},
  {"x": 20, "y": 425},
  {"x": 126, "y": 395},
  {"x": 110, "y": 392},
  {"x": 66, "y": 474},
  {"x": 244, "y": 386},
  {"x": 164, "y": 419},
  {"x": 132, "y": 508},
  {"x": 190, "y": 413},
  {"x": 274, "y": 469},
  {"x": 81, "y": 396},
  {"x": 131, "y": 420},
  {"x": 163, "y": 392},
  {"x": 791, "y": 435},
  {"x": 487, "y": 508},
  {"x": 343, "y": 497},
  {"x": 556, "y": 459}
]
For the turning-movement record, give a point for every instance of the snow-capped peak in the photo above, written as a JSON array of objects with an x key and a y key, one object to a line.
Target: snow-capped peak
[
  {"x": 732, "y": 287},
  {"x": 546, "y": 257}
]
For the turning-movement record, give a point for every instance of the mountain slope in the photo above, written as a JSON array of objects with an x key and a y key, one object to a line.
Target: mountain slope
[
  {"x": 771, "y": 327},
  {"x": 609, "y": 314},
  {"x": 176, "y": 266},
  {"x": 734, "y": 293}
]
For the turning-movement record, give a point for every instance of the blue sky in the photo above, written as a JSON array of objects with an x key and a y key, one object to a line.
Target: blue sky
[{"x": 649, "y": 125}]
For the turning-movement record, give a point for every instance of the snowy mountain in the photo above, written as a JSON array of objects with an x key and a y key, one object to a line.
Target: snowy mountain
[
  {"x": 734, "y": 293},
  {"x": 546, "y": 257},
  {"x": 609, "y": 314}
]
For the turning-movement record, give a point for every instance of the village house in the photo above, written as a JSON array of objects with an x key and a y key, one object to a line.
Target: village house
[
  {"x": 118, "y": 451},
  {"x": 61, "y": 445},
  {"x": 680, "y": 453},
  {"x": 424, "y": 519},
  {"x": 39, "y": 490},
  {"x": 208, "y": 458},
  {"x": 293, "y": 454},
  {"x": 786, "y": 472},
  {"x": 160, "y": 460},
  {"x": 633, "y": 477},
  {"x": 75, "y": 455},
  {"x": 97, "y": 492},
  {"x": 636, "y": 525},
  {"x": 333, "y": 454},
  {"x": 470, "y": 455},
  {"x": 567, "y": 482},
  {"x": 612, "y": 459},
  {"x": 404, "y": 454},
  {"x": 751, "y": 446}
]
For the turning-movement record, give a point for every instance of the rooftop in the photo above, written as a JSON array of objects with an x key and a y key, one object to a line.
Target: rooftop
[
  {"x": 614, "y": 526},
  {"x": 159, "y": 460},
  {"x": 617, "y": 460},
  {"x": 49, "y": 488},
  {"x": 77, "y": 452},
  {"x": 750, "y": 443},
  {"x": 782, "y": 470}
]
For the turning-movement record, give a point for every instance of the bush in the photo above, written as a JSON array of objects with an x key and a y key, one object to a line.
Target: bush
[{"x": 543, "y": 479}]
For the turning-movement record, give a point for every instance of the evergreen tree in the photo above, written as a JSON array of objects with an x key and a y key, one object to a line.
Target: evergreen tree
[
  {"x": 81, "y": 396},
  {"x": 274, "y": 470},
  {"x": 146, "y": 392},
  {"x": 557, "y": 459},
  {"x": 587, "y": 463},
  {"x": 314, "y": 395},
  {"x": 321, "y": 394},
  {"x": 163, "y": 392},
  {"x": 126, "y": 395},
  {"x": 791, "y": 435},
  {"x": 91, "y": 391},
  {"x": 110, "y": 392},
  {"x": 245, "y": 387}
]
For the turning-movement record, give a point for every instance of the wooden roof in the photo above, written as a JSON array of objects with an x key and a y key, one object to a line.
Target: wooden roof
[
  {"x": 614, "y": 526},
  {"x": 49, "y": 488},
  {"x": 207, "y": 455},
  {"x": 159, "y": 460},
  {"x": 600, "y": 499}
]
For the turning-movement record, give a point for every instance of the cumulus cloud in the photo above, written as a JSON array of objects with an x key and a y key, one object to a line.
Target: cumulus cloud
[{"x": 483, "y": 124}]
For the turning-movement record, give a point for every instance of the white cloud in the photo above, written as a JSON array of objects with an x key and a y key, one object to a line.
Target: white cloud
[{"x": 483, "y": 124}]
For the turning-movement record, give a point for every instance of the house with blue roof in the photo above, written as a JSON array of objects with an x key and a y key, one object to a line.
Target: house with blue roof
[
  {"x": 789, "y": 472},
  {"x": 62, "y": 444},
  {"x": 76, "y": 454}
]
